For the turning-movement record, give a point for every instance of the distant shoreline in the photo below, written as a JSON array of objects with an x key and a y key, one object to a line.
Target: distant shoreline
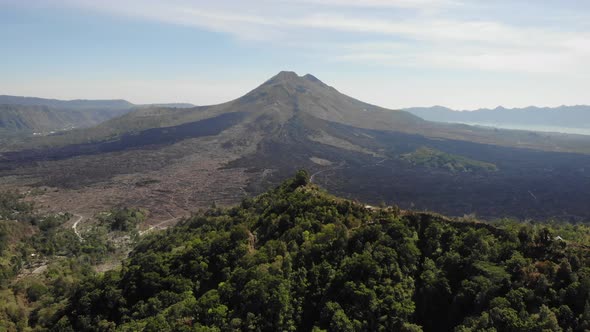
[{"x": 539, "y": 128}]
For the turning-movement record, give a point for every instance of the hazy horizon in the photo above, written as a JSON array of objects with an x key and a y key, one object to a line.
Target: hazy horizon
[{"x": 181, "y": 101}]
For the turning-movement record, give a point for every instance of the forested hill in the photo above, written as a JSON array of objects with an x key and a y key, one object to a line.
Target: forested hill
[{"x": 298, "y": 259}]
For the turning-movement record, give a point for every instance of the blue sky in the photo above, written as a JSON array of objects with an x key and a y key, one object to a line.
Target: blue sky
[{"x": 395, "y": 53}]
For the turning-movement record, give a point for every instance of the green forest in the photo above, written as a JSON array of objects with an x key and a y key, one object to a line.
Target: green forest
[{"x": 299, "y": 259}]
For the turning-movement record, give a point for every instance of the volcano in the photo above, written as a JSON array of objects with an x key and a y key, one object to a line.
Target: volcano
[{"x": 174, "y": 160}]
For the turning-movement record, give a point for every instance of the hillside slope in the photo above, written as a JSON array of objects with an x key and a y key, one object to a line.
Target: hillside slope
[
  {"x": 42, "y": 119},
  {"x": 115, "y": 104},
  {"x": 29, "y": 115},
  {"x": 298, "y": 259},
  {"x": 40, "y": 116}
]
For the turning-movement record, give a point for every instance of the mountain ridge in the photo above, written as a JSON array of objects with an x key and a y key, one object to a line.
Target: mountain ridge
[
  {"x": 82, "y": 103},
  {"x": 42, "y": 116},
  {"x": 74, "y": 103},
  {"x": 575, "y": 116}
]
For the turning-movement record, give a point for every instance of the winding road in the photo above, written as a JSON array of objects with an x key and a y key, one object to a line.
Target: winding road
[
  {"x": 75, "y": 226},
  {"x": 80, "y": 218},
  {"x": 312, "y": 177},
  {"x": 158, "y": 225}
]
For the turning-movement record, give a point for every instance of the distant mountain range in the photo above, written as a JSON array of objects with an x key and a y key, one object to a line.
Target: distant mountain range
[
  {"x": 66, "y": 104},
  {"x": 173, "y": 160},
  {"x": 562, "y": 116},
  {"x": 29, "y": 115}
]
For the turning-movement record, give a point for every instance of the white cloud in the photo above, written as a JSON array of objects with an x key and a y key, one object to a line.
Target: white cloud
[
  {"x": 237, "y": 19},
  {"x": 238, "y": 23},
  {"x": 492, "y": 60},
  {"x": 434, "y": 41},
  {"x": 414, "y": 4}
]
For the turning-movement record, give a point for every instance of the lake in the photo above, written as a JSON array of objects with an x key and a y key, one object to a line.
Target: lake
[{"x": 553, "y": 129}]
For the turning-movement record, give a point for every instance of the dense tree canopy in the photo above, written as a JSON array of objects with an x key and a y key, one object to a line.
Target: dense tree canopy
[{"x": 298, "y": 259}]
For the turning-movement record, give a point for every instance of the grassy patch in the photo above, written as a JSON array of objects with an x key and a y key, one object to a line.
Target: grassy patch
[{"x": 432, "y": 158}]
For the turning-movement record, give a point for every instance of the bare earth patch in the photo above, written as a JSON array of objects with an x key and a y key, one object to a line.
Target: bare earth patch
[{"x": 190, "y": 181}]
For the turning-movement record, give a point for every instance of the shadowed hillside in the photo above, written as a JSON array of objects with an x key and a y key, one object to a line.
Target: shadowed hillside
[
  {"x": 44, "y": 120},
  {"x": 25, "y": 116}
]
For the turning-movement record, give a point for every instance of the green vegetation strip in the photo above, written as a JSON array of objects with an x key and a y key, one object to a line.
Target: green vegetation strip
[{"x": 432, "y": 158}]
